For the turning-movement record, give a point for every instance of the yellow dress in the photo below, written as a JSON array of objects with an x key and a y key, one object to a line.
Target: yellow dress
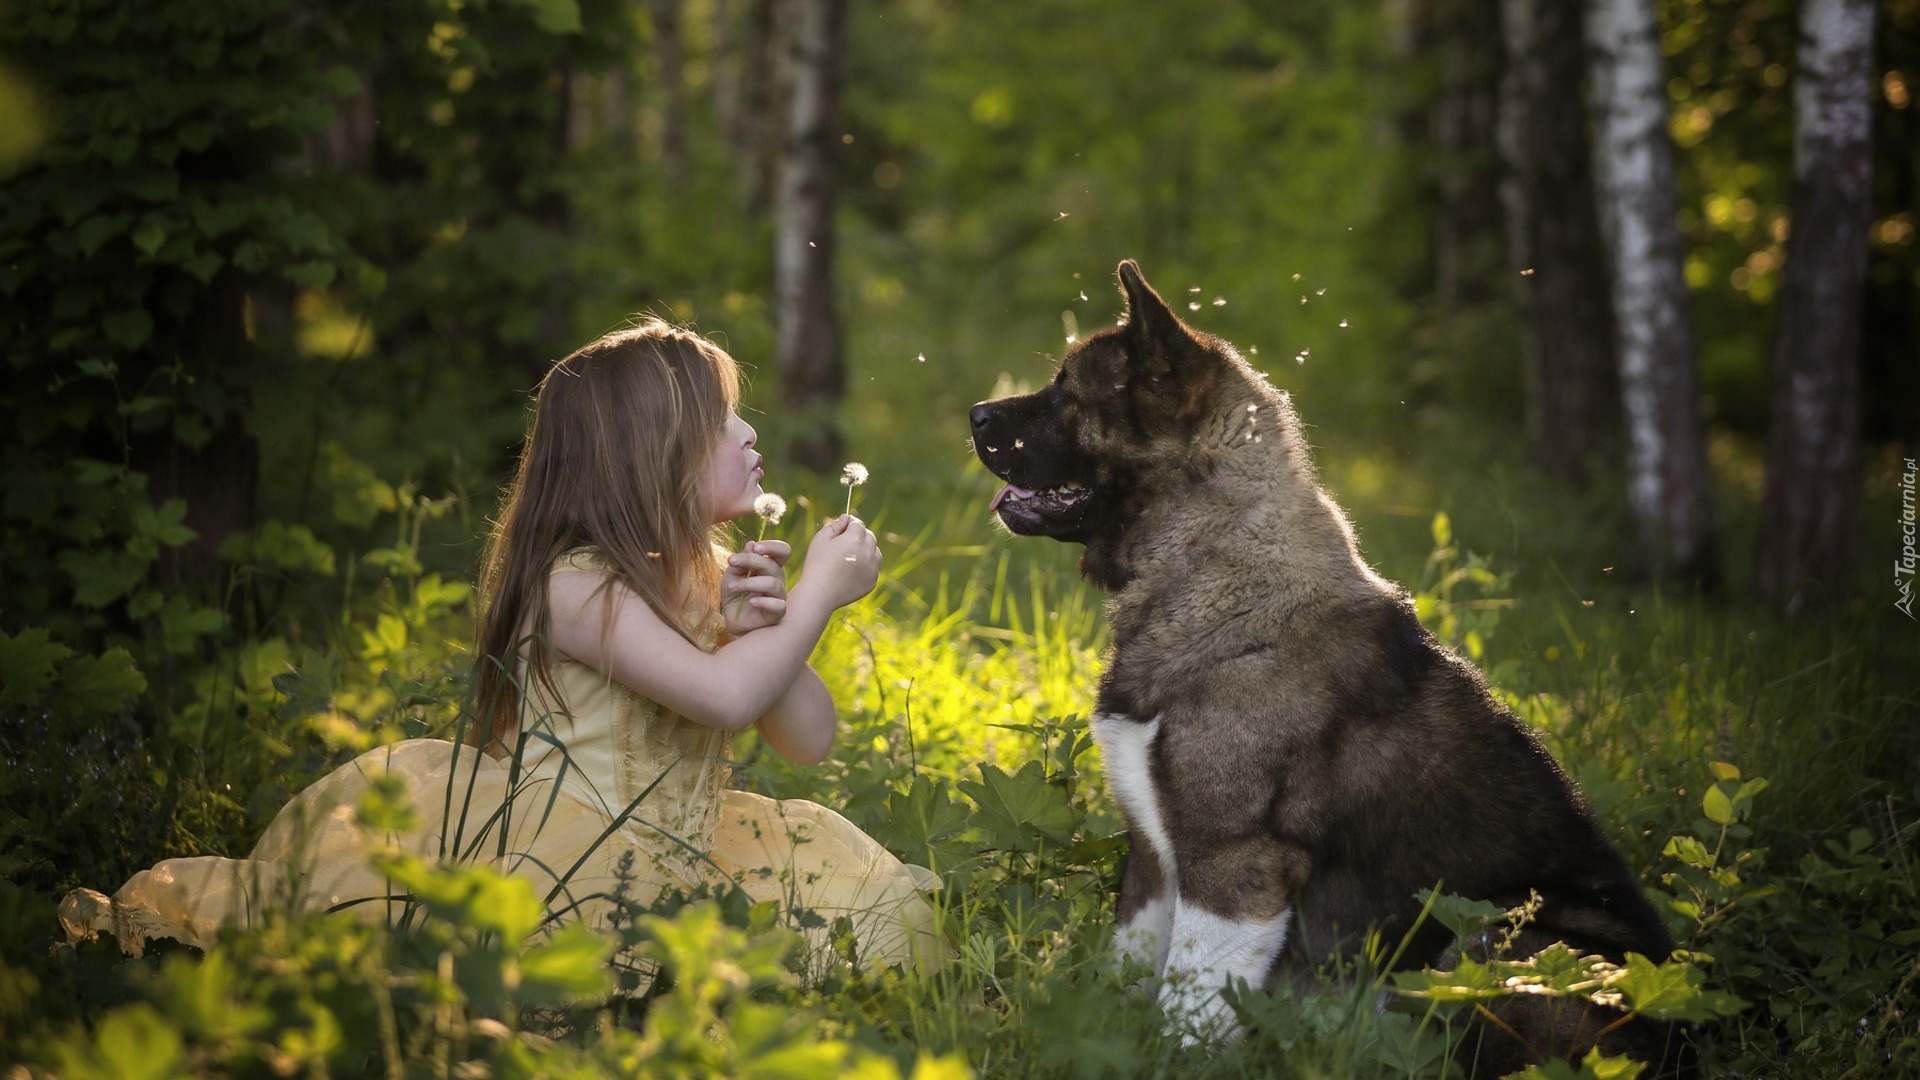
[{"x": 610, "y": 795}]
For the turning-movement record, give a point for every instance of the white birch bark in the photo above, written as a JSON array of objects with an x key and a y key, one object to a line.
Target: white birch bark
[{"x": 1669, "y": 490}]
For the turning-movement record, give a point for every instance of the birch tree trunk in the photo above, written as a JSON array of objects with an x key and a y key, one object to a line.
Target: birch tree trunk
[
  {"x": 1669, "y": 489},
  {"x": 1556, "y": 257},
  {"x": 1809, "y": 517},
  {"x": 806, "y": 325}
]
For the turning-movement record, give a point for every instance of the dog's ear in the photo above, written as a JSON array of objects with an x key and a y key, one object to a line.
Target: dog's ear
[
  {"x": 1160, "y": 347},
  {"x": 1151, "y": 324}
]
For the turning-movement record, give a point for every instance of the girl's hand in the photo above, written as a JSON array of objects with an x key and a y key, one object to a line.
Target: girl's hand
[
  {"x": 753, "y": 591},
  {"x": 844, "y": 561}
]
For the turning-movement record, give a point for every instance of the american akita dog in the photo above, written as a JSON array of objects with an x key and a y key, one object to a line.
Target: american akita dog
[{"x": 1295, "y": 755}]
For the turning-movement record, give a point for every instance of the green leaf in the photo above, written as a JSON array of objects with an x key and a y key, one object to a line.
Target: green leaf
[
  {"x": 384, "y": 808},
  {"x": 432, "y": 595},
  {"x": 1462, "y": 916},
  {"x": 1723, "y": 770},
  {"x": 101, "y": 577},
  {"x": 27, "y": 662},
  {"x": 1020, "y": 809},
  {"x": 1595, "y": 1066},
  {"x": 1470, "y": 981},
  {"x": 569, "y": 967},
  {"x": 471, "y": 896},
  {"x": 182, "y": 623},
  {"x": 280, "y": 546},
  {"x": 151, "y": 234},
  {"x": 97, "y": 230},
  {"x": 314, "y": 273},
  {"x": 1689, "y": 851},
  {"x": 129, "y": 328},
  {"x": 100, "y": 684},
  {"x": 1717, "y": 806},
  {"x": 343, "y": 80},
  {"x": 1675, "y": 990},
  {"x": 1442, "y": 530},
  {"x": 923, "y": 825},
  {"x": 133, "y": 1043},
  {"x": 163, "y": 524},
  {"x": 387, "y": 638},
  {"x": 556, "y": 16},
  {"x": 263, "y": 661}
]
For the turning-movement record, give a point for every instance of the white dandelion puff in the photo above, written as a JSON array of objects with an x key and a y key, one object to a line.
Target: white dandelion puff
[
  {"x": 771, "y": 509},
  {"x": 852, "y": 474}
]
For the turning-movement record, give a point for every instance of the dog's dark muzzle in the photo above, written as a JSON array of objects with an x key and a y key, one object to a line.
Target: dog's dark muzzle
[{"x": 1018, "y": 439}]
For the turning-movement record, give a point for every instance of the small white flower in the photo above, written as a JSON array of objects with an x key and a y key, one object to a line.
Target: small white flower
[{"x": 770, "y": 507}]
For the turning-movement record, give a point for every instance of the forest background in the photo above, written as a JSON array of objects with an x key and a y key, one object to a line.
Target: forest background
[{"x": 278, "y": 276}]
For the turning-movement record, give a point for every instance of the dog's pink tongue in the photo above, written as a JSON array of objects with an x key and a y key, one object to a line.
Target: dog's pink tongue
[{"x": 1001, "y": 496}]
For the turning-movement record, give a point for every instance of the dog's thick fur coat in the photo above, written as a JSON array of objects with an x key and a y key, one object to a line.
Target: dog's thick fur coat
[{"x": 1296, "y": 756}]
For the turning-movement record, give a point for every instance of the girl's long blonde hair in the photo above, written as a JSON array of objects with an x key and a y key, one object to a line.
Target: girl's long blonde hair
[{"x": 622, "y": 433}]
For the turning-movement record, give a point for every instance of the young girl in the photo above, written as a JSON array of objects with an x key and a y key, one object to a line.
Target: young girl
[{"x": 621, "y": 648}]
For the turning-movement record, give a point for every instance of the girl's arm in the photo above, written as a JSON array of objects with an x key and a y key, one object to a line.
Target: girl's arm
[
  {"x": 801, "y": 725},
  {"x": 758, "y": 675}
]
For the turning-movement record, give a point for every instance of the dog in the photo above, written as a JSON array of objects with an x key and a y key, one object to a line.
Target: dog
[{"x": 1295, "y": 756}]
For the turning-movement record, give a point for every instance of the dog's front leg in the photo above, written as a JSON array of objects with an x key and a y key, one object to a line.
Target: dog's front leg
[
  {"x": 1229, "y": 922},
  {"x": 1145, "y": 922},
  {"x": 1145, "y": 919}
]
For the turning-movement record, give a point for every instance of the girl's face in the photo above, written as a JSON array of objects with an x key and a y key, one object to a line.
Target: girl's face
[{"x": 733, "y": 472}]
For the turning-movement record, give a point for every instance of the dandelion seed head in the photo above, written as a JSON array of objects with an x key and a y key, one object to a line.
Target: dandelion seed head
[
  {"x": 853, "y": 474},
  {"x": 770, "y": 507}
]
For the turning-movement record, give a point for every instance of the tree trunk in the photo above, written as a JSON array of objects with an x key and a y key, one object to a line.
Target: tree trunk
[
  {"x": 1669, "y": 489},
  {"x": 1462, "y": 125},
  {"x": 755, "y": 119},
  {"x": 219, "y": 477},
  {"x": 1557, "y": 260},
  {"x": 1809, "y": 517},
  {"x": 669, "y": 66},
  {"x": 806, "y": 328}
]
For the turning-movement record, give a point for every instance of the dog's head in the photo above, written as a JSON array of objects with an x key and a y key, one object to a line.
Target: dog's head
[{"x": 1134, "y": 412}]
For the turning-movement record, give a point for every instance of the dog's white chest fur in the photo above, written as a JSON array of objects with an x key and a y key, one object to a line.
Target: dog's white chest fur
[{"x": 1193, "y": 951}]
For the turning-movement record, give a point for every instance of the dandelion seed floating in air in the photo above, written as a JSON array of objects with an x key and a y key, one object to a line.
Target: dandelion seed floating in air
[
  {"x": 853, "y": 474},
  {"x": 771, "y": 509}
]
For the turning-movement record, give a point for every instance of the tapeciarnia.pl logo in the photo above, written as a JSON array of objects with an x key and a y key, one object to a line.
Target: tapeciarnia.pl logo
[{"x": 1903, "y": 567}]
